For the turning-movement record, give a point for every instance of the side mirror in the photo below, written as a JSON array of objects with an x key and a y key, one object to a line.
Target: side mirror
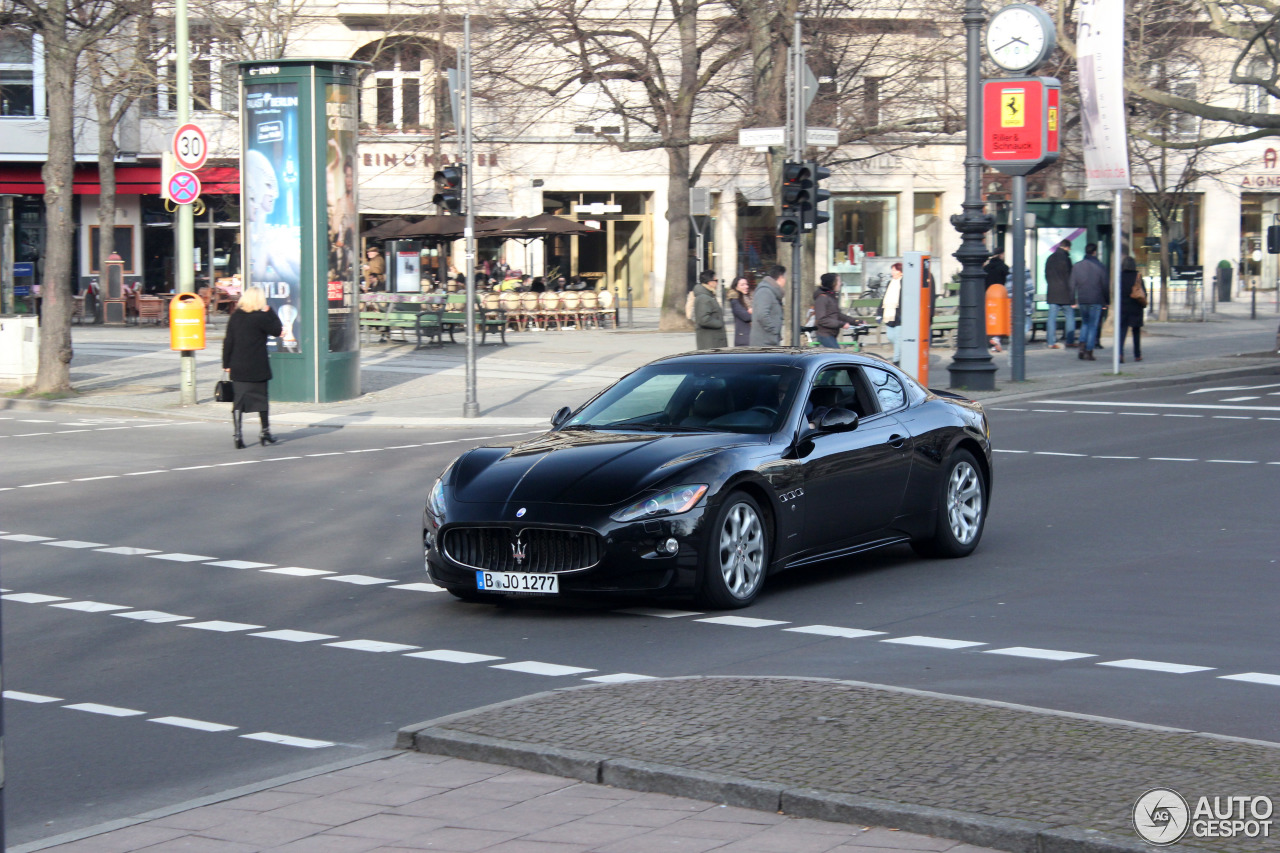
[
  {"x": 560, "y": 417},
  {"x": 838, "y": 420}
]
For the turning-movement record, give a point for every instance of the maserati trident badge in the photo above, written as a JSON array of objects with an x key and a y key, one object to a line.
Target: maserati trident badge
[{"x": 517, "y": 551}]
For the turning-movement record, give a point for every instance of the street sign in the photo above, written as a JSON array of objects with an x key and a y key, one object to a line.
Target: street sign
[
  {"x": 190, "y": 147},
  {"x": 810, "y": 87},
  {"x": 821, "y": 137},
  {"x": 597, "y": 208},
  {"x": 1020, "y": 124},
  {"x": 762, "y": 137},
  {"x": 184, "y": 187},
  {"x": 23, "y": 268}
]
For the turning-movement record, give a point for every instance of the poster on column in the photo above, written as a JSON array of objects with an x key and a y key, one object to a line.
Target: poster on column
[
  {"x": 273, "y": 203},
  {"x": 340, "y": 177},
  {"x": 1100, "y": 65}
]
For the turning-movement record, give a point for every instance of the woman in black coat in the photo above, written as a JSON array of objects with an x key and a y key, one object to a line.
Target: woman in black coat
[
  {"x": 244, "y": 357},
  {"x": 1131, "y": 310},
  {"x": 740, "y": 302}
]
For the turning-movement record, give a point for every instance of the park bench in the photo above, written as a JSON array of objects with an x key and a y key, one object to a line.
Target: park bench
[
  {"x": 488, "y": 319},
  {"x": 396, "y": 321}
]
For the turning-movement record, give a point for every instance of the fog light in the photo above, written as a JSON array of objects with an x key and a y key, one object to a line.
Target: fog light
[
  {"x": 428, "y": 539},
  {"x": 668, "y": 547}
]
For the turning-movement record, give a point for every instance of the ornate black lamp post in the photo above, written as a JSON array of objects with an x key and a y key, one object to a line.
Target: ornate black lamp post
[{"x": 972, "y": 368}]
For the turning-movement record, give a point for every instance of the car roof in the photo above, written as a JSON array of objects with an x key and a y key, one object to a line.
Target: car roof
[{"x": 801, "y": 357}]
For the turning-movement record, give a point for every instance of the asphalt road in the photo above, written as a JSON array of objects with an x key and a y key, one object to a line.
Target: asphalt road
[{"x": 200, "y": 618}]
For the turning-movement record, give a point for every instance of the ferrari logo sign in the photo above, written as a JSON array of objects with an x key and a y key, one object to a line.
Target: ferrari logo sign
[
  {"x": 1020, "y": 124},
  {"x": 1013, "y": 108}
]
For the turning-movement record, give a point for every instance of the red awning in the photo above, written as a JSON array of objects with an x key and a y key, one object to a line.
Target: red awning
[{"x": 24, "y": 179}]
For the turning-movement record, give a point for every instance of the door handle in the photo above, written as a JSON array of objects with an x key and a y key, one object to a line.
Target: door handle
[{"x": 896, "y": 441}]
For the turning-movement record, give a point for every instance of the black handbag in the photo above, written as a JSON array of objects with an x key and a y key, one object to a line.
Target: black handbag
[{"x": 224, "y": 391}]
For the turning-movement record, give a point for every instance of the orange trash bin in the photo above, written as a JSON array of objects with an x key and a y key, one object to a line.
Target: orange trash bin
[
  {"x": 999, "y": 319},
  {"x": 186, "y": 322}
]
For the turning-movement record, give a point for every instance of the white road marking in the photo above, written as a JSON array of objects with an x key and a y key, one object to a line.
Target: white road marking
[
  {"x": 741, "y": 621},
  {"x": 1237, "y": 399},
  {"x": 295, "y": 636},
  {"x": 154, "y": 616},
  {"x": 334, "y": 453},
  {"x": 451, "y": 656},
  {"x": 1232, "y": 388},
  {"x": 107, "y": 429},
  {"x": 142, "y": 473},
  {"x": 1142, "y": 414},
  {"x": 182, "y": 558},
  {"x": 240, "y": 564},
  {"x": 128, "y": 551},
  {"x": 281, "y": 458},
  {"x": 75, "y": 543},
  {"x": 619, "y": 678},
  {"x": 932, "y": 642},
  {"x": 360, "y": 580},
  {"x": 1254, "y": 678},
  {"x": 834, "y": 631},
  {"x": 109, "y": 710},
  {"x": 1051, "y": 411},
  {"x": 1234, "y": 461},
  {"x": 1010, "y": 451},
  {"x": 1172, "y": 459},
  {"x": 533, "y": 667},
  {"x": 30, "y": 421},
  {"x": 1232, "y": 418},
  {"x": 222, "y": 627},
  {"x": 658, "y": 612},
  {"x": 1116, "y": 457},
  {"x": 371, "y": 646},
  {"x": 32, "y": 597},
  {"x": 419, "y": 587},
  {"x": 91, "y": 479},
  {"x": 285, "y": 740},
  {"x": 1154, "y": 666},
  {"x": 1171, "y": 415},
  {"x": 1055, "y": 453},
  {"x": 38, "y": 485},
  {"x": 297, "y": 571},
  {"x": 1039, "y": 654},
  {"x": 403, "y": 446},
  {"x": 198, "y": 725},
  {"x": 90, "y": 606},
  {"x": 19, "y": 696},
  {"x": 29, "y": 434},
  {"x": 243, "y": 462},
  {"x": 193, "y": 467},
  {"x": 1171, "y": 406},
  {"x": 1084, "y": 412}
]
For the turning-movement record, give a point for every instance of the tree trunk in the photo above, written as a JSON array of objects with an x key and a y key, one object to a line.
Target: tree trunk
[
  {"x": 54, "y": 372},
  {"x": 677, "y": 286},
  {"x": 107, "y": 150},
  {"x": 1163, "y": 315}
]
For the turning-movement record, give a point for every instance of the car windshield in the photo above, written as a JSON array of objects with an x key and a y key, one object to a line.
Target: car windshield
[{"x": 697, "y": 396}]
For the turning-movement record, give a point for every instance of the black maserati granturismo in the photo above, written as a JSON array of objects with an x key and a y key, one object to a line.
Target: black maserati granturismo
[{"x": 699, "y": 475}]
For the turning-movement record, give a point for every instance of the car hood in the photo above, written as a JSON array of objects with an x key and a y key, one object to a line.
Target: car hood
[{"x": 579, "y": 467}]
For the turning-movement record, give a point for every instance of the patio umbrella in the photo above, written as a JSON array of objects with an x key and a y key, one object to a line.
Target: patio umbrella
[
  {"x": 543, "y": 225},
  {"x": 447, "y": 227},
  {"x": 390, "y": 228}
]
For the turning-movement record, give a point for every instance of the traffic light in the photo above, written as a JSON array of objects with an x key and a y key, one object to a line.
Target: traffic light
[
  {"x": 1273, "y": 239},
  {"x": 449, "y": 184},
  {"x": 813, "y": 217},
  {"x": 795, "y": 179}
]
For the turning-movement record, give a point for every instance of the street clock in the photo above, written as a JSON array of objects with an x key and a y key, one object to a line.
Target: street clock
[{"x": 1020, "y": 37}]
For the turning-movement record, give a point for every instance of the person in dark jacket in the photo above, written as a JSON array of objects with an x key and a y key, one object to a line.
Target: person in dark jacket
[
  {"x": 827, "y": 317},
  {"x": 767, "y": 314},
  {"x": 1131, "y": 310},
  {"x": 1057, "y": 273},
  {"x": 740, "y": 303},
  {"x": 996, "y": 269},
  {"x": 1089, "y": 290},
  {"x": 708, "y": 314},
  {"x": 244, "y": 358}
]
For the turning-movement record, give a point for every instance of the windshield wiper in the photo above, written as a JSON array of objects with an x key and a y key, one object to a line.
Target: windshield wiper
[{"x": 578, "y": 428}]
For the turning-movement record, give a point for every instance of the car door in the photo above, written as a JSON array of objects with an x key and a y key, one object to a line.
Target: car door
[{"x": 854, "y": 481}]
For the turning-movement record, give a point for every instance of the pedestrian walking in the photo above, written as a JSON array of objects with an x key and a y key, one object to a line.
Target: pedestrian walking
[
  {"x": 827, "y": 317},
  {"x": 1089, "y": 291},
  {"x": 740, "y": 303},
  {"x": 1028, "y": 298},
  {"x": 1057, "y": 273},
  {"x": 708, "y": 313},
  {"x": 767, "y": 314},
  {"x": 888, "y": 311},
  {"x": 996, "y": 269},
  {"x": 1133, "y": 305},
  {"x": 244, "y": 358}
]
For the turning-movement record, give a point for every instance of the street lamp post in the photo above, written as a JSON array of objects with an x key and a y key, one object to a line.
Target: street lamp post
[{"x": 972, "y": 368}]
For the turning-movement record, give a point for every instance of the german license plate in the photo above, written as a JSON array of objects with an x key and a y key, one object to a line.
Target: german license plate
[{"x": 517, "y": 582}]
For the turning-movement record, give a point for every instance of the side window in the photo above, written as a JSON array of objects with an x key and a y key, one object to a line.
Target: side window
[
  {"x": 887, "y": 389},
  {"x": 839, "y": 386}
]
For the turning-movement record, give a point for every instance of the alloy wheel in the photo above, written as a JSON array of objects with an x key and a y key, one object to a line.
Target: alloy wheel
[
  {"x": 742, "y": 558},
  {"x": 964, "y": 502}
]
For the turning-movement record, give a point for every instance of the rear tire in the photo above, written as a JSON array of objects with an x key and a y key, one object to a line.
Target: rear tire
[
  {"x": 737, "y": 557},
  {"x": 962, "y": 510}
]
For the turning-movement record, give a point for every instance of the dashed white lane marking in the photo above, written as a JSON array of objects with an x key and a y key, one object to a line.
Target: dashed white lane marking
[
  {"x": 1234, "y": 461},
  {"x": 741, "y": 621},
  {"x": 240, "y": 564},
  {"x": 297, "y": 572},
  {"x": 451, "y": 656},
  {"x": 1155, "y": 666},
  {"x": 533, "y": 667},
  {"x": 1055, "y": 453},
  {"x": 187, "y": 723},
  {"x": 618, "y": 678},
  {"x": 1142, "y": 414},
  {"x": 1254, "y": 678},
  {"x": 360, "y": 580},
  {"x": 222, "y": 627},
  {"x": 1238, "y": 399},
  {"x": 419, "y": 587},
  {"x": 286, "y": 740},
  {"x": 1169, "y": 406},
  {"x": 295, "y": 636},
  {"x": 128, "y": 551},
  {"x": 281, "y": 458},
  {"x": 1039, "y": 654},
  {"x": 1172, "y": 459},
  {"x": 75, "y": 543},
  {"x": 155, "y": 617},
  {"x": 932, "y": 642},
  {"x": 32, "y": 597},
  {"x": 181, "y": 558},
  {"x": 834, "y": 631},
  {"x": 658, "y": 612},
  {"x": 333, "y": 453},
  {"x": 38, "y": 485},
  {"x": 19, "y": 696},
  {"x": 143, "y": 473},
  {"x": 371, "y": 646},
  {"x": 193, "y": 468},
  {"x": 90, "y": 606},
  {"x": 108, "y": 710},
  {"x": 91, "y": 479}
]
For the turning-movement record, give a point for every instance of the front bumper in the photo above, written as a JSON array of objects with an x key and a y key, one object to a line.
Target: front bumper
[{"x": 632, "y": 559}]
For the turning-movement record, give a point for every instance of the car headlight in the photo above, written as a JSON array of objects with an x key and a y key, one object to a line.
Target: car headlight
[
  {"x": 435, "y": 498},
  {"x": 672, "y": 501}
]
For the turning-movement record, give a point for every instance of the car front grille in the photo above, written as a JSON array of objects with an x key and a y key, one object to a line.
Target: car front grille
[{"x": 541, "y": 550}]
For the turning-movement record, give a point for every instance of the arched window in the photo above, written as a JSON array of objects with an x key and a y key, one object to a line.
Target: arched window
[{"x": 404, "y": 91}]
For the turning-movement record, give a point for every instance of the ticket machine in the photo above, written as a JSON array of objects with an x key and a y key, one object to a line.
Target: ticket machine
[{"x": 915, "y": 311}]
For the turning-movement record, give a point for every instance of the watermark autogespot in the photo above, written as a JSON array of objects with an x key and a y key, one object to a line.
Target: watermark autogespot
[{"x": 1162, "y": 817}]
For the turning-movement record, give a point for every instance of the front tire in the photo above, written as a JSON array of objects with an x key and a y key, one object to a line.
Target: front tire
[
  {"x": 737, "y": 555},
  {"x": 962, "y": 510}
]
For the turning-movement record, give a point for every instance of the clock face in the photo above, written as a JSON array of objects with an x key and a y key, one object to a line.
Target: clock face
[{"x": 1017, "y": 38}]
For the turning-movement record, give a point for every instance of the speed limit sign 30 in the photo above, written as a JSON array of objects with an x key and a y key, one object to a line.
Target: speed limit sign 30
[{"x": 190, "y": 147}]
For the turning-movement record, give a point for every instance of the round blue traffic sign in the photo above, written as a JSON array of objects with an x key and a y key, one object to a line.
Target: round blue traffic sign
[{"x": 184, "y": 187}]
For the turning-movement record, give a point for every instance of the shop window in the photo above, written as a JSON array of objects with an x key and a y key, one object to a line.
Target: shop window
[
  {"x": 21, "y": 75},
  {"x": 1256, "y": 98},
  {"x": 406, "y": 89},
  {"x": 863, "y": 225},
  {"x": 928, "y": 223}
]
